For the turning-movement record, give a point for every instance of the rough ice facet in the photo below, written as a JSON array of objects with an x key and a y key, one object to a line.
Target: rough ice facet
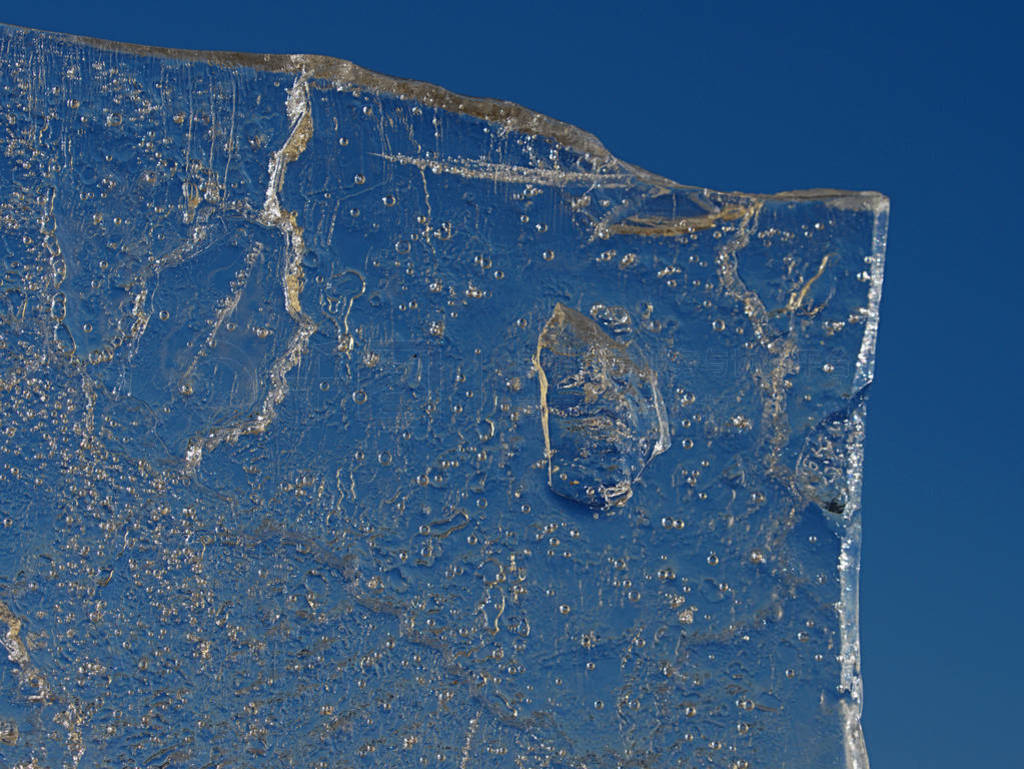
[{"x": 602, "y": 414}]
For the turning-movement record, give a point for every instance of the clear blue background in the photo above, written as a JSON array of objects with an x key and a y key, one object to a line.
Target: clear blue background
[{"x": 915, "y": 101}]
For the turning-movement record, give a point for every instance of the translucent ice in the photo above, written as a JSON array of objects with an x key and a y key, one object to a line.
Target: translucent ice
[
  {"x": 306, "y": 458},
  {"x": 602, "y": 414}
]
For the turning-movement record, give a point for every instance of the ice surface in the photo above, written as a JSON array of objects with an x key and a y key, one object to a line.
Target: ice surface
[
  {"x": 602, "y": 414},
  {"x": 347, "y": 422}
]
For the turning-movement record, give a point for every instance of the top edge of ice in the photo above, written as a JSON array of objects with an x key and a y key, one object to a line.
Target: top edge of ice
[{"x": 509, "y": 114}]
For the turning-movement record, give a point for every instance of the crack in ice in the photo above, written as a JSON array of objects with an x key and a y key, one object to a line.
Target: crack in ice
[{"x": 272, "y": 215}]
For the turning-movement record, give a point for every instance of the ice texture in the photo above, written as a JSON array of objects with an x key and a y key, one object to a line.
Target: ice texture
[
  {"x": 600, "y": 408},
  {"x": 348, "y": 422}
]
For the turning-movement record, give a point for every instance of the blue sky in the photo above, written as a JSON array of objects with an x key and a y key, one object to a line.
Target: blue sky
[{"x": 917, "y": 102}]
